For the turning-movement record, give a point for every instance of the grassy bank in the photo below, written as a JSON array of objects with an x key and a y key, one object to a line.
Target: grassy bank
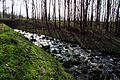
[{"x": 21, "y": 60}]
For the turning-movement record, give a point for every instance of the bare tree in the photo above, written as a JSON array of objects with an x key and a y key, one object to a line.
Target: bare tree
[
  {"x": 4, "y": 7},
  {"x": 45, "y": 8},
  {"x": 33, "y": 8},
  {"x": 20, "y": 12},
  {"x": 74, "y": 13},
  {"x": 81, "y": 20},
  {"x": 64, "y": 12},
  {"x": 49, "y": 10},
  {"x": 59, "y": 4},
  {"x": 68, "y": 15},
  {"x": 54, "y": 12},
  {"x": 26, "y": 5},
  {"x": 42, "y": 10},
  {"x": 91, "y": 22},
  {"x": 98, "y": 12},
  {"x": 12, "y": 15},
  {"x": 36, "y": 10},
  {"x": 85, "y": 8},
  {"x": 108, "y": 12},
  {"x": 118, "y": 19}
]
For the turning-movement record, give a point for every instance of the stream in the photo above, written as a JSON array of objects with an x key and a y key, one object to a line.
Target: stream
[{"x": 83, "y": 64}]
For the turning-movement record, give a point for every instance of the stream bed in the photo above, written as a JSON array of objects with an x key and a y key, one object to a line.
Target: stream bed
[{"x": 83, "y": 64}]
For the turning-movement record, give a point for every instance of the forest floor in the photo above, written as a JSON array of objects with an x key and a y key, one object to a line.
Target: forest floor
[
  {"x": 100, "y": 42},
  {"x": 22, "y": 60}
]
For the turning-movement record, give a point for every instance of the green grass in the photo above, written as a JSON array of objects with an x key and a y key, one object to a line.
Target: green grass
[{"x": 22, "y": 60}]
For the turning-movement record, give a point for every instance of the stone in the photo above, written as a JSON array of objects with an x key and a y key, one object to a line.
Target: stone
[
  {"x": 75, "y": 62},
  {"x": 66, "y": 47},
  {"x": 54, "y": 51},
  {"x": 115, "y": 59},
  {"x": 91, "y": 55},
  {"x": 101, "y": 54},
  {"x": 93, "y": 64},
  {"x": 46, "y": 47},
  {"x": 51, "y": 39},
  {"x": 60, "y": 46},
  {"x": 33, "y": 40},
  {"x": 47, "y": 38},
  {"x": 66, "y": 50},
  {"x": 80, "y": 62},
  {"x": 67, "y": 64},
  {"x": 110, "y": 71},
  {"x": 73, "y": 45},
  {"x": 100, "y": 66},
  {"x": 87, "y": 66},
  {"x": 96, "y": 57},
  {"x": 84, "y": 71},
  {"x": 85, "y": 62},
  {"x": 111, "y": 59},
  {"x": 91, "y": 58},
  {"x": 88, "y": 51},
  {"x": 58, "y": 55},
  {"x": 43, "y": 37},
  {"x": 97, "y": 71},
  {"x": 58, "y": 51},
  {"x": 27, "y": 38}
]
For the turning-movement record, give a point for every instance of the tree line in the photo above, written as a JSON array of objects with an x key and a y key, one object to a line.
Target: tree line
[{"x": 85, "y": 15}]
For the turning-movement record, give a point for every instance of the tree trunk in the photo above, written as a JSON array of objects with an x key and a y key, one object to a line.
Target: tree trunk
[
  {"x": 49, "y": 11},
  {"x": 64, "y": 12},
  {"x": 118, "y": 19},
  {"x": 26, "y": 5},
  {"x": 59, "y": 4},
  {"x": 4, "y": 7},
  {"x": 68, "y": 16},
  {"x": 45, "y": 8},
  {"x": 12, "y": 16},
  {"x": 108, "y": 11},
  {"x": 91, "y": 22},
  {"x": 74, "y": 13},
  {"x": 33, "y": 9},
  {"x": 85, "y": 15},
  {"x": 81, "y": 20},
  {"x": 54, "y": 12},
  {"x": 98, "y": 12}
]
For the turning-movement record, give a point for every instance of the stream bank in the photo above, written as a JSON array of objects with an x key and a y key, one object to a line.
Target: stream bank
[
  {"x": 104, "y": 42},
  {"x": 83, "y": 64}
]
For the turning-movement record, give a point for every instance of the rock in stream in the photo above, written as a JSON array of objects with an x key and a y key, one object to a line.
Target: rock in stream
[{"x": 83, "y": 64}]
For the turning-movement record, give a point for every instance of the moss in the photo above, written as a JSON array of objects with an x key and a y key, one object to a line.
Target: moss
[{"x": 22, "y": 60}]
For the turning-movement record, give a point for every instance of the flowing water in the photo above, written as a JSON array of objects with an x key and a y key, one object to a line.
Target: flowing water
[{"x": 83, "y": 64}]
